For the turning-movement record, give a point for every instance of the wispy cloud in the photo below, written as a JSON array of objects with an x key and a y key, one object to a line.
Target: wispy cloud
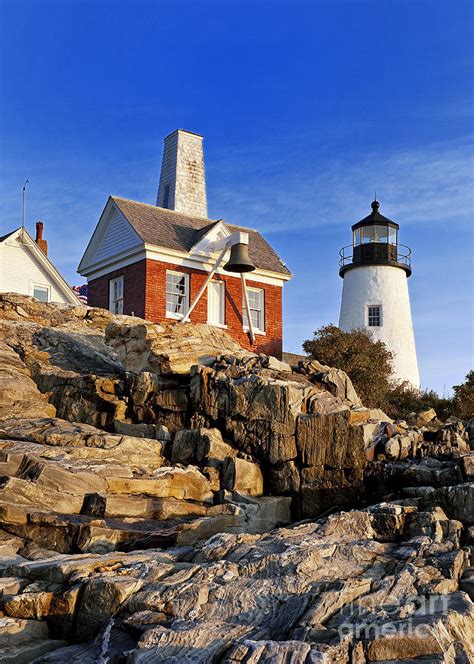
[{"x": 418, "y": 186}]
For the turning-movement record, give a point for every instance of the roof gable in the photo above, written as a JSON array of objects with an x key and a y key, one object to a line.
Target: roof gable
[
  {"x": 43, "y": 263},
  {"x": 112, "y": 236},
  {"x": 215, "y": 231}
]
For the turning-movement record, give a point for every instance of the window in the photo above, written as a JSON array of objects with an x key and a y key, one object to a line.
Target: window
[
  {"x": 166, "y": 196},
  {"x": 116, "y": 295},
  {"x": 257, "y": 309},
  {"x": 374, "y": 315},
  {"x": 177, "y": 294},
  {"x": 41, "y": 293}
]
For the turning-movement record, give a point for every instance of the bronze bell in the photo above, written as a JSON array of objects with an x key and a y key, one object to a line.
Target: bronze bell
[{"x": 239, "y": 260}]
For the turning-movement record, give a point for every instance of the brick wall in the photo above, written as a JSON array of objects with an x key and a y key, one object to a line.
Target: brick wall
[
  {"x": 134, "y": 289},
  {"x": 269, "y": 343},
  {"x": 145, "y": 295}
]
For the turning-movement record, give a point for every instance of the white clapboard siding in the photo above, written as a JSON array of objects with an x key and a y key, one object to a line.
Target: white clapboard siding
[
  {"x": 20, "y": 271},
  {"x": 118, "y": 236}
]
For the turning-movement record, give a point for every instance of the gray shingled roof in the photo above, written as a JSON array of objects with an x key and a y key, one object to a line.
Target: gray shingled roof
[{"x": 174, "y": 230}]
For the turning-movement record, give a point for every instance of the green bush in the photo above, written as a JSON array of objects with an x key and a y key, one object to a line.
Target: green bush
[
  {"x": 368, "y": 365},
  {"x": 463, "y": 399},
  {"x": 366, "y": 362}
]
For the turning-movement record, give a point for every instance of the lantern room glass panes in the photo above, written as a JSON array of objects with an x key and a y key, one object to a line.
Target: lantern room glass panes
[{"x": 375, "y": 233}]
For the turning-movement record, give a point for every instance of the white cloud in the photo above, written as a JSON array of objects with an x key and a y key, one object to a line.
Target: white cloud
[{"x": 416, "y": 186}]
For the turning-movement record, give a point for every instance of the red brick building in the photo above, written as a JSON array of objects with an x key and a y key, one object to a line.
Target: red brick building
[{"x": 152, "y": 260}]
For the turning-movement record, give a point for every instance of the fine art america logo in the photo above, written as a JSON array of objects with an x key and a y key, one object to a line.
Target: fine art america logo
[{"x": 406, "y": 617}]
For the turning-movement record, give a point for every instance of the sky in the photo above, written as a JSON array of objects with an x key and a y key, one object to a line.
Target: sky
[{"x": 306, "y": 109}]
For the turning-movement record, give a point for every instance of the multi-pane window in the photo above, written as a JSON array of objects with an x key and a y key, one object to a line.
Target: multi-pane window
[
  {"x": 41, "y": 293},
  {"x": 374, "y": 315},
  {"x": 257, "y": 309},
  {"x": 177, "y": 294},
  {"x": 116, "y": 295}
]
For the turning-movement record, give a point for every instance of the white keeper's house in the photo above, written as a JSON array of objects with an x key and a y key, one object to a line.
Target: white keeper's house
[{"x": 26, "y": 269}]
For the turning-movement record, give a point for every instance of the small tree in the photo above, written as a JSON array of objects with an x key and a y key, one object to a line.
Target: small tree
[
  {"x": 463, "y": 399},
  {"x": 367, "y": 362}
]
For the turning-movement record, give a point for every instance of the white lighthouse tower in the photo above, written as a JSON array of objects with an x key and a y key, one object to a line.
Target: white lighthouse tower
[{"x": 375, "y": 270}]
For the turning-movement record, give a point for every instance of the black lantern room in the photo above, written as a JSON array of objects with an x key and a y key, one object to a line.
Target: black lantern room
[{"x": 375, "y": 242}]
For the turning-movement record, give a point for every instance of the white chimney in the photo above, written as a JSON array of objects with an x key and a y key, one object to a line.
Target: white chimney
[{"x": 182, "y": 180}]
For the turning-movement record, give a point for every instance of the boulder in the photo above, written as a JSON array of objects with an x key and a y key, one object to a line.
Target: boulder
[
  {"x": 242, "y": 476},
  {"x": 167, "y": 348},
  {"x": 284, "y": 479},
  {"x": 329, "y": 440},
  {"x": 19, "y": 394},
  {"x": 167, "y": 482},
  {"x": 421, "y": 418},
  {"x": 335, "y": 380},
  {"x": 468, "y": 466},
  {"x": 202, "y": 446},
  {"x": 142, "y": 430},
  {"x": 16, "y": 631}
]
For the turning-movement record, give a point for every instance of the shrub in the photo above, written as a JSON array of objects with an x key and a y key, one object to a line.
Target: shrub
[
  {"x": 403, "y": 398},
  {"x": 463, "y": 399},
  {"x": 366, "y": 362}
]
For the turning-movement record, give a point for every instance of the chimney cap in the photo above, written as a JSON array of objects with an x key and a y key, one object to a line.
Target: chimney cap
[
  {"x": 39, "y": 230},
  {"x": 184, "y": 131}
]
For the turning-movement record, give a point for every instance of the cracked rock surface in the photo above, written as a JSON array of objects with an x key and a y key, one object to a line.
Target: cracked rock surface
[{"x": 166, "y": 496}]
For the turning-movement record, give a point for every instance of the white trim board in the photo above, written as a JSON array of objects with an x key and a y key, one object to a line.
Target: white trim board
[{"x": 179, "y": 259}]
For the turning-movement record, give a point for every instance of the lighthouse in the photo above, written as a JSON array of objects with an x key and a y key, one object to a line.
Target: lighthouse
[{"x": 375, "y": 270}]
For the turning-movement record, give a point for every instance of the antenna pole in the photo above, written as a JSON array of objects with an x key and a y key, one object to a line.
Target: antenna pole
[{"x": 24, "y": 205}]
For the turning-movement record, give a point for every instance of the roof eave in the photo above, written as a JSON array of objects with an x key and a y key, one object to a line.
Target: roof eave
[{"x": 284, "y": 276}]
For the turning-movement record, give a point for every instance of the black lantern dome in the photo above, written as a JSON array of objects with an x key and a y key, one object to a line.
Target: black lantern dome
[{"x": 375, "y": 242}]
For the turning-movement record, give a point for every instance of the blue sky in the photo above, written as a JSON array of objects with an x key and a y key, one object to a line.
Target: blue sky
[{"x": 306, "y": 108}]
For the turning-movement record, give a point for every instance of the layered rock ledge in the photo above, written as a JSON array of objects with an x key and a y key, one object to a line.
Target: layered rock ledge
[{"x": 153, "y": 479}]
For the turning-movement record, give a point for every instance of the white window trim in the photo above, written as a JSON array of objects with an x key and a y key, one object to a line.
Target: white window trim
[
  {"x": 223, "y": 326},
  {"x": 367, "y": 307},
  {"x": 256, "y": 330},
  {"x": 34, "y": 285},
  {"x": 170, "y": 314},
  {"x": 111, "y": 294}
]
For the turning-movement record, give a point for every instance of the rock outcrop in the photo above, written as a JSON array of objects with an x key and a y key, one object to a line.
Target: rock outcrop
[
  {"x": 150, "y": 480},
  {"x": 364, "y": 586}
]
